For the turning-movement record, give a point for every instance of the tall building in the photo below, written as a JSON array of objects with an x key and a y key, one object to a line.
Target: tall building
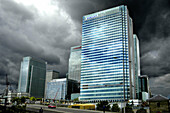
[
  {"x": 144, "y": 93},
  {"x": 50, "y": 75},
  {"x": 75, "y": 63},
  {"x": 137, "y": 63},
  {"x": 32, "y": 77},
  {"x": 107, "y": 60}
]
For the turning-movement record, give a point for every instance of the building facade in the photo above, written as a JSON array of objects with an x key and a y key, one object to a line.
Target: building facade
[
  {"x": 56, "y": 89},
  {"x": 50, "y": 75},
  {"x": 75, "y": 63},
  {"x": 144, "y": 93},
  {"x": 32, "y": 77},
  {"x": 107, "y": 60},
  {"x": 61, "y": 89},
  {"x": 137, "y": 63}
]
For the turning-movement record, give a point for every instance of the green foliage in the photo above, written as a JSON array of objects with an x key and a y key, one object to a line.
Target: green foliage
[
  {"x": 103, "y": 103},
  {"x": 16, "y": 109},
  {"x": 128, "y": 109},
  {"x": 16, "y": 99},
  {"x": 115, "y": 108},
  {"x": 32, "y": 98},
  {"x": 76, "y": 99},
  {"x": 23, "y": 99},
  {"x": 26, "y": 97}
]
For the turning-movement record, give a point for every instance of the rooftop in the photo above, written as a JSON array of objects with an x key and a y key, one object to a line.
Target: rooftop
[{"x": 158, "y": 98}]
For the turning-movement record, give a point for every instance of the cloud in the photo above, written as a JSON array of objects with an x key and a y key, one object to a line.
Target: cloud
[
  {"x": 48, "y": 29},
  {"x": 160, "y": 85},
  {"x": 28, "y": 31}
]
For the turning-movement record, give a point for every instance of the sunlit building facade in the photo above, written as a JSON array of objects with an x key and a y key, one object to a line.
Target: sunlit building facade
[
  {"x": 32, "y": 77},
  {"x": 75, "y": 63},
  {"x": 56, "y": 89},
  {"x": 107, "y": 60}
]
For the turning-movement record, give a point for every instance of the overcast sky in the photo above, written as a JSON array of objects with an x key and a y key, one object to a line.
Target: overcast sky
[{"x": 48, "y": 28}]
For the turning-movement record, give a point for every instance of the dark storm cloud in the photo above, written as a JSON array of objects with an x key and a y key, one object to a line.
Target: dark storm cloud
[
  {"x": 13, "y": 9},
  {"x": 155, "y": 39},
  {"x": 25, "y": 31},
  {"x": 151, "y": 24},
  {"x": 160, "y": 85}
]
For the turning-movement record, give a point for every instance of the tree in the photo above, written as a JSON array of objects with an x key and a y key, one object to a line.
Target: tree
[
  {"x": 141, "y": 111},
  {"x": 16, "y": 99},
  {"x": 26, "y": 97},
  {"x": 128, "y": 109},
  {"x": 76, "y": 100},
  {"x": 115, "y": 108},
  {"x": 32, "y": 98},
  {"x": 103, "y": 103},
  {"x": 23, "y": 99}
]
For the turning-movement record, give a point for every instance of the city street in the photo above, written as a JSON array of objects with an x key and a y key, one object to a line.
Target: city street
[{"x": 35, "y": 108}]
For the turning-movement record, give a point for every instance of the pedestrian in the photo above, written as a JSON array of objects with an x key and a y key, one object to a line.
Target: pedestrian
[
  {"x": 104, "y": 108},
  {"x": 41, "y": 110}
]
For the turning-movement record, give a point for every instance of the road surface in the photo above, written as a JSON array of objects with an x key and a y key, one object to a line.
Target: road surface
[{"x": 35, "y": 108}]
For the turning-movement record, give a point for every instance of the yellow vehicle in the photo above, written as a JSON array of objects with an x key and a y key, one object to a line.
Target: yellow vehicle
[{"x": 83, "y": 106}]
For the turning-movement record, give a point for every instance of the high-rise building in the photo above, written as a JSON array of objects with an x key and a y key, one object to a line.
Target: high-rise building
[
  {"x": 137, "y": 63},
  {"x": 144, "y": 93},
  {"x": 32, "y": 77},
  {"x": 75, "y": 63},
  {"x": 50, "y": 75},
  {"x": 107, "y": 60}
]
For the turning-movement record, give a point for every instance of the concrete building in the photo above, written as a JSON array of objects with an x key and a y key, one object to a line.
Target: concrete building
[
  {"x": 108, "y": 56},
  {"x": 159, "y": 104},
  {"x": 32, "y": 77},
  {"x": 74, "y": 70}
]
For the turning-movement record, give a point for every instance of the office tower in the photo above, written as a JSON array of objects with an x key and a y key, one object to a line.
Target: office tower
[
  {"x": 50, "y": 75},
  {"x": 57, "y": 89},
  {"x": 107, "y": 60},
  {"x": 32, "y": 77},
  {"x": 75, "y": 63},
  {"x": 137, "y": 63},
  {"x": 143, "y": 87},
  {"x": 73, "y": 87}
]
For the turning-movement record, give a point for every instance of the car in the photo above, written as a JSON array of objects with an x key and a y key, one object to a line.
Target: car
[{"x": 51, "y": 106}]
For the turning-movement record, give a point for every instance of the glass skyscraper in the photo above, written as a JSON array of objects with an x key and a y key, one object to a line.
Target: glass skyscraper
[
  {"x": 75, "y": 63},
  {"x": 137, "y": 63},
  {"x": 32, "y": 77},
  {"x": 107, "y": 60}
]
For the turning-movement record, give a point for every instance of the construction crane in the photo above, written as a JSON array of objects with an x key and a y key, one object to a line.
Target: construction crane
[
  {"x": 5, "y": 93},
  {"x": 56, "y": 94}
]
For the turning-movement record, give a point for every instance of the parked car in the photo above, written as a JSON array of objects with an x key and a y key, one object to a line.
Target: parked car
[{"x": 52, "y": 106}]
